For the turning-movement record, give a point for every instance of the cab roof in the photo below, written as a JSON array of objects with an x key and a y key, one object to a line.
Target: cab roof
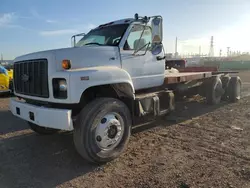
[{"x": 123, "y": 21}]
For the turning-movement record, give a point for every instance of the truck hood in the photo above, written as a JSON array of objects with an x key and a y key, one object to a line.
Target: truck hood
[{"x": 80, "y": 57}]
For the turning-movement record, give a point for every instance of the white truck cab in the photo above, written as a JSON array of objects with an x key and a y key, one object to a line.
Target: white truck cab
[
  {"x": 97, "y": 87},
  {"x": 104, "y": 68}
]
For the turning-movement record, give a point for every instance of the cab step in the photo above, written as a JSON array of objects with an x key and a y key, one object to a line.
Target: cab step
[{"x": 155, "y": 103}]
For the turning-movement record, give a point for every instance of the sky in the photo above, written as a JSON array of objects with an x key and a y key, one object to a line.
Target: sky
[{"x": 34, "y": 25}]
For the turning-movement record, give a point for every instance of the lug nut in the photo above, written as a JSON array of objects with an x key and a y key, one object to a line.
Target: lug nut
[
  {"x": 103, "y": 120},
  {"x": 99, "y": 138}
]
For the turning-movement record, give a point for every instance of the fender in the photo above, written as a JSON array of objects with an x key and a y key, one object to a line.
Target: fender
[{"x": 84, "y": 78}]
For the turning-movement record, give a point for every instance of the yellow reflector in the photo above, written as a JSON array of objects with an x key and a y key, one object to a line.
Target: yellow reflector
[{"x": 66, "y": 64}]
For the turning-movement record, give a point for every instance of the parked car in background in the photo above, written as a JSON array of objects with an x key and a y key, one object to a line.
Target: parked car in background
[
  {"x": 9, "y": 68},
  {"x": 5, "y": 80}
]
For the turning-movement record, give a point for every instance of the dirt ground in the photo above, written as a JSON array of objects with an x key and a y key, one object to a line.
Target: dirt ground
[{"x": 197, "y": 146}]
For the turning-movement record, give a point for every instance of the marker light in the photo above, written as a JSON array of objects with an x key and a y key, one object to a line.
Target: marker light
[{"x": 66, "y": 64}]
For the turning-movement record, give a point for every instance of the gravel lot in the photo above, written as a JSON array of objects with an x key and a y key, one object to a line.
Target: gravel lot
[{"x": 197, "y": 146}]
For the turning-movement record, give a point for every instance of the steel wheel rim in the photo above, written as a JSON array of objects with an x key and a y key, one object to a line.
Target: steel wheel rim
[
  {"x": 238, "y": 91},
  {"x": 218, "y": 90},
  {"x": 109, "y": 131}
]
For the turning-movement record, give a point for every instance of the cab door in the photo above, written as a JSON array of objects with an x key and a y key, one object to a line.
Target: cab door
[{"x": 139, "y": 59}]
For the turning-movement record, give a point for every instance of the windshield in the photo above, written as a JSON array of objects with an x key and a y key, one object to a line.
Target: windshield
[
  {"x": 108, "y": 36},
  {"x": 3, "y": 70}
]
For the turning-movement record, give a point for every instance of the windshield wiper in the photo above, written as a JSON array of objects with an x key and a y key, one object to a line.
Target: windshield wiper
[{"x": 93, "y": 43}]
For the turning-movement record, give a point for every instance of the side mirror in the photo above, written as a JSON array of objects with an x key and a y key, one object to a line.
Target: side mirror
[
  {"x": 157, "y": 35},
  {"x": 156, "y": 48}
]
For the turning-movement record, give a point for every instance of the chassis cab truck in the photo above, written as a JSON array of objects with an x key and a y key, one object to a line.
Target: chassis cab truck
[{"x": 98, "y": 88}]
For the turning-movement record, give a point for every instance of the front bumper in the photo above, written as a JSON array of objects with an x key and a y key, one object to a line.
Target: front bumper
[{"x": 42, "y": 116}]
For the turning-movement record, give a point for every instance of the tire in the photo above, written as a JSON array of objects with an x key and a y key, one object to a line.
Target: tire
[
  {"x": 225, "y": 82},
  {"x": 234, "y": 89},
  {"x": 88, "y": 143},
  {"x": 214, "y": 90},
  {"x": 42, "y": 130}
]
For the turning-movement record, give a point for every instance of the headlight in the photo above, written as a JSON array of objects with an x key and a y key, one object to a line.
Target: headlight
[
  {"x": 62, "y": 85},
  {"x": 59, "y": 88}
]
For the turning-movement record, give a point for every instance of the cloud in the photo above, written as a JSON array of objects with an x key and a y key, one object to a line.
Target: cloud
[
  {"x": 35, "y": 14},
  {"x": 59, "y": 32},
  {"x": 51, "y": 21},
  {"x": 6, "y": 19},
  {"x": 91, "y": 26},
  {"x": 9, "y": 20},
  {"x": 75, "y": 29}
]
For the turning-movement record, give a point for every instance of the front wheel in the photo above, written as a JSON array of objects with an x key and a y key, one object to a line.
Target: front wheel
[{"x": 102, "y": 130}]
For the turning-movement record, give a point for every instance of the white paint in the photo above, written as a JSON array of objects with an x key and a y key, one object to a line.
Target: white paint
[
  {"x": 45, "y": 117},
  {"x": 101, "y": 75},
  {"x": 144, "y": 70},
  {"x": 85, "y": 61}
]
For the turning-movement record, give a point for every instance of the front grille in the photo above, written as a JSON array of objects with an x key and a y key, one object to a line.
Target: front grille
[{"x": 31, "y": 77}]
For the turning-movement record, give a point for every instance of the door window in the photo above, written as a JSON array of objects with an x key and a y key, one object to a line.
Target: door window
[{"x": 134, "y": 42}]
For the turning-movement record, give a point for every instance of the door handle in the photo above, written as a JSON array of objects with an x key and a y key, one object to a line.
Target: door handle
[{"x": 159, "y": 58}]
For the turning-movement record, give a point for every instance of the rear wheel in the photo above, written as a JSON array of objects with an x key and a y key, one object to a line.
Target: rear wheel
[
  {"x": 42, "y": 130},
  {"x": 234, "y": 89},
  {"x": 102, "y": 130},
  {"x": 225, "y": 82},
  {"x": 214, "y": 90}
]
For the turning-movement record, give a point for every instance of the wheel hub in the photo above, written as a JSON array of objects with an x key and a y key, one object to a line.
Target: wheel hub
[
  {"x": 218, "y": 90},
  {"x": 112, "y": 131},
  {"x": 109, "y": 131},
  {"x": 238, "y": 91}
]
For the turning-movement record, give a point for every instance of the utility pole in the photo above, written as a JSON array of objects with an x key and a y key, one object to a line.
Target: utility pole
[
  {"x": 176, "y": 47},
  {"x": 228, "y": 51},
  {"x": 211, "y": 50}
]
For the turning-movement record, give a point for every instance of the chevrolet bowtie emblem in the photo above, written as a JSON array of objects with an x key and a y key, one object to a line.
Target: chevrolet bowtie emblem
[{"x": 25, "y": 78}]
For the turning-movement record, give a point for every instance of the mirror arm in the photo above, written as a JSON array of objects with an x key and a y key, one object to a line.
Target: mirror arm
[
  {"x": 72, "y": 44},
  {"x": 74, "y": 36}
]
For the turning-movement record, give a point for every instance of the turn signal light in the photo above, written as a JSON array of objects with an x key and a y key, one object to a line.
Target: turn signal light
[{"x": 66, "y": 64}]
